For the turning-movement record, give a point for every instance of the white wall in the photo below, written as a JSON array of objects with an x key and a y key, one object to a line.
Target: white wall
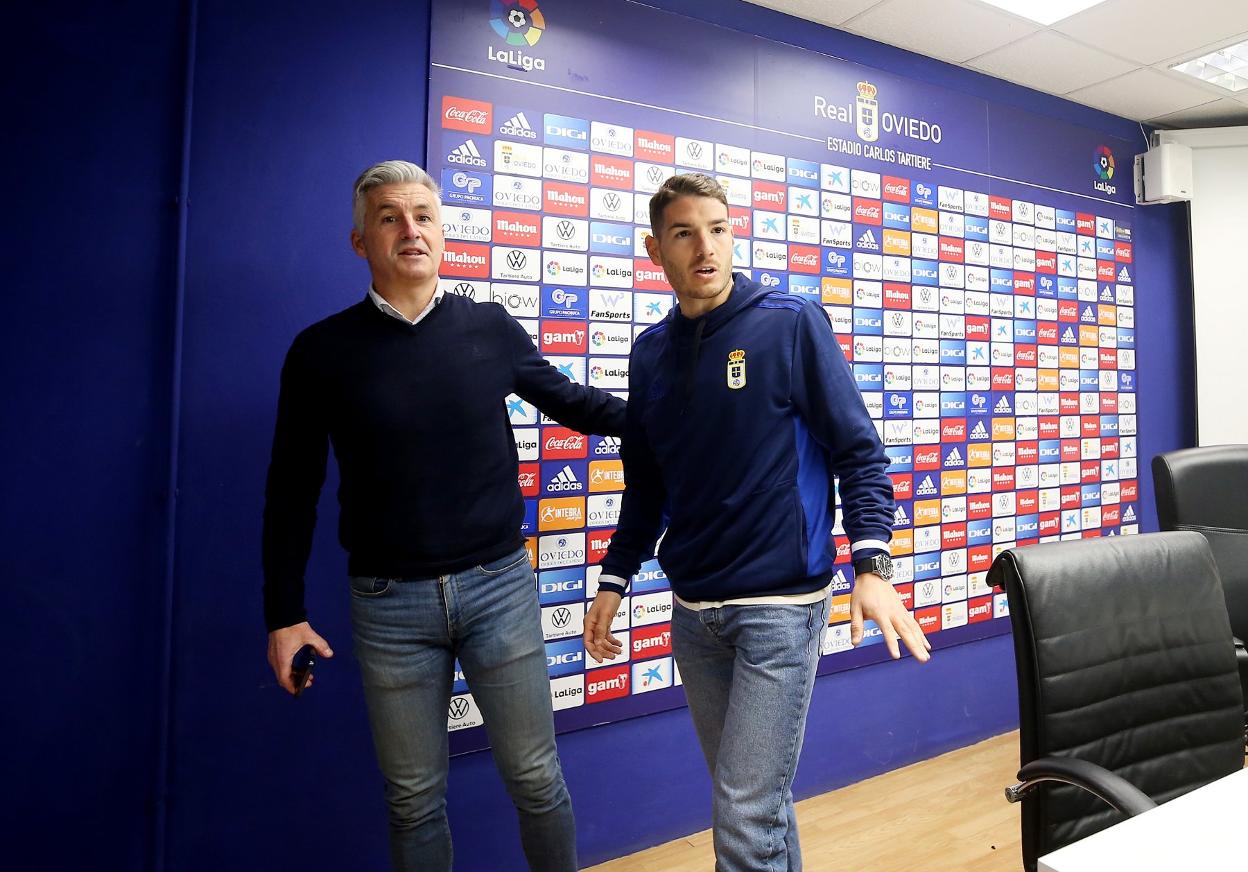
[{"x": 1219, "y": 228}]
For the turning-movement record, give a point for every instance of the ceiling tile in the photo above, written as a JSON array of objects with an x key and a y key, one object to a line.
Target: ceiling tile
[
  {"x": 1050, "y": 62},
  {"x": 1218, "y": 113},
  {"x": 1144, "y": 93},
  {"x": 951, "y": 30},
  {"x": 1148, "y": 31},
  {"x": 831, "y": 12}
]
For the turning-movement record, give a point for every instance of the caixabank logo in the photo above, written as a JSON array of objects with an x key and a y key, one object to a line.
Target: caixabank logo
[
  {"x": 520, "y": 24},
  {"x": 1103, "y": 170}
]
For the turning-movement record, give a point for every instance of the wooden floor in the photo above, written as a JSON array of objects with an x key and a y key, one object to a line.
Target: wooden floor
[{"x": 948, "y": 813}]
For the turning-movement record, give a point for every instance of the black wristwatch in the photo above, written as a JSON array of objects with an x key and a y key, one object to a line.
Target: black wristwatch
[{"x": 880, "y": 564}]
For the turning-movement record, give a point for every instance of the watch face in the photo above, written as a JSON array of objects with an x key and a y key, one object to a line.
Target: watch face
[{"x": 881, "y": 565}]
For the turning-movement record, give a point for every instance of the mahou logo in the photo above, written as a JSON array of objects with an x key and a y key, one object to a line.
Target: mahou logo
[
  {"x": 470, "y": 261},
  {"x": 460, "y": 113}
]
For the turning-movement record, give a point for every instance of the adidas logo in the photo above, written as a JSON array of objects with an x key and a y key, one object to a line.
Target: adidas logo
[
  {"x": 927, "y": 488},
  {"x": 518, "y": 126},
  {"x": 867, "y": 241},
  {"x": 1002, "y": 407},
  {"x": 1129, "y": 514},
  {"x": 1123, "y": 275},
  {"x": 1087, "y": 316},
  {"x": 1107, "y": 296},
  {"x": 980, "y": 431},
  {"x": 566, "y": 480},
  {"x": 954, "y": 458},
  {"x": 1069, "y": 335},
  {"x": 900, "y": 517},
  {"x": 467, "y": 155}
]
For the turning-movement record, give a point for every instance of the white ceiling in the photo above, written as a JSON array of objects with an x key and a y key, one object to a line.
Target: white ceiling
[{"x": 1115, "y": 56}]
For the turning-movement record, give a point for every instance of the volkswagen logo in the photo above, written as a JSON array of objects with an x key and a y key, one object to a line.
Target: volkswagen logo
[
  {"x": 516, "y": 259},
  {"x": 459, "y": 707},
  {"x": 611, "y": 201},
  {"x": 561, "y": 617},
  {"x": 655, "y": 175},
  {"x": 694, "y": 150},
  {"x": 565, "y": 229}
]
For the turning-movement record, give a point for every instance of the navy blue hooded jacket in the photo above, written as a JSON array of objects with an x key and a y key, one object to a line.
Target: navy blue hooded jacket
[{"x": 736, "y": 423}]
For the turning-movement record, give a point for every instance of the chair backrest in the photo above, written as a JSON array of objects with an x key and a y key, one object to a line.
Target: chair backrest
[
  {"x": 1124, "y": 659},
  {"x": 1206, "y": 490}
]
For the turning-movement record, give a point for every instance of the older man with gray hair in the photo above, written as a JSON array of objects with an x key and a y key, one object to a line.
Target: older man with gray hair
[{"x": 409, "y": 386}]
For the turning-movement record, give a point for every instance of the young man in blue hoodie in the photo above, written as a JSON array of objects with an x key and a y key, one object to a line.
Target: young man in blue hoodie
[{"x": 741, "y": 410}]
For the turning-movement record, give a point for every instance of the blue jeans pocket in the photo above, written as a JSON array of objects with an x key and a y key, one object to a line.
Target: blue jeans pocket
[
  {"x": 504, "y": 563},
  {"x": 367, "y": 586}
]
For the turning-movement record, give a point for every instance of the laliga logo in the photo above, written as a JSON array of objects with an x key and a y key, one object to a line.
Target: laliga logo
[
  {"x": 1103, "y": 169},
  {"x": 519, "y": 23}
]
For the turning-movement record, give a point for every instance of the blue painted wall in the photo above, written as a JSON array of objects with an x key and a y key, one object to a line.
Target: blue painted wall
[
  {"x": 289, "y": 102},
  {"x": 91, "y": 157}
]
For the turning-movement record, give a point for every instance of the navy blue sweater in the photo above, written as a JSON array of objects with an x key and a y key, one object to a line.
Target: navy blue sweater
[
  {"x": 418, "y": 422},
  {"x": 736, "y": 423}
]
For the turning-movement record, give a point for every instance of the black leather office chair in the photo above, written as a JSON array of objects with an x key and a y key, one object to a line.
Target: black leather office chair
[
  {"x": 1206, "y": 490},
  {"x": 1128, "y": 692}
]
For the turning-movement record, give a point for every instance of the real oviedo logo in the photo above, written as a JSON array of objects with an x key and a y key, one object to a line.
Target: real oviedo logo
[
  {"x": 1103, "y": 169},
  {"x": 520, "y": 24}
]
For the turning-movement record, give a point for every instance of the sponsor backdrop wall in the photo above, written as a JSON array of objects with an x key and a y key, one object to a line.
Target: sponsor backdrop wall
[
  {"x": 976, "y": 262},
  {"x": 187, "y": 757}
]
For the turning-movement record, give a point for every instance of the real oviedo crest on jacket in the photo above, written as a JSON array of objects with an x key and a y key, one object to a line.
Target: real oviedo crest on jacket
[{"x": 736, "y": 369}]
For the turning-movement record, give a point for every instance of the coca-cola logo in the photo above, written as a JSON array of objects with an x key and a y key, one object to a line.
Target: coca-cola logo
[
  {"x": 565, "y": 443},
  {"x": 466, "y": 116}
]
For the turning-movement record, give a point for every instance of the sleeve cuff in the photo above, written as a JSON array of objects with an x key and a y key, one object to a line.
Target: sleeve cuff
[
  {"x": 613, "y": 583},
  {"x": 869, "y": 548}
]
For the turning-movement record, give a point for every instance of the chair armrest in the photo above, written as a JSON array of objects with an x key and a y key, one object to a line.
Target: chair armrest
[{"x": 1114, "y": 790}]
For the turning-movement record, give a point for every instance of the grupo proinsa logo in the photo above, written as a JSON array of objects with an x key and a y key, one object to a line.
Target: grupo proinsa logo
[{"x": 519, "y": 22}]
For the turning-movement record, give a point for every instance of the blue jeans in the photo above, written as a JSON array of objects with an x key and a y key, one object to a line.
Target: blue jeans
[
  {"x": 748, "y": 673},
  {"x": 407, "y": 634}
]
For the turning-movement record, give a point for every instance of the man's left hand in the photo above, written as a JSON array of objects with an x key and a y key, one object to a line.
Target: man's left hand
[{"x": 875, "y": 599}]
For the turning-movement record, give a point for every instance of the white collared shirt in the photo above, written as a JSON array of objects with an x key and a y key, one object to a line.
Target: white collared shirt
[{"x": 395, "y": 313}]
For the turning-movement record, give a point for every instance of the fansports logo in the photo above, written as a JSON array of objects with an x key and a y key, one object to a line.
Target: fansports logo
[{"x": 519, "y": 22}]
